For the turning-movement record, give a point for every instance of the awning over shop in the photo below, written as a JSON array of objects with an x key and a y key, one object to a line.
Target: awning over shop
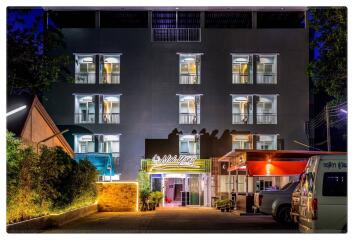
[{"x": 275, "y": 168}]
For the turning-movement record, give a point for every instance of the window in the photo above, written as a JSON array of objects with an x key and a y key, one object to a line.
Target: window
[
  {"x": 294, "y": 19},
  {"x": 84, "y": 109},
  {"x": 85, "y": 69},
  {"x": 242, "y": 69},
  {"x": 266, "y": 142},
  {"x": 267, "y": 109},
  {"x": 123, "y": 19},
  {"x": 110, "y": 69},
  {"x": 266, "y": 69},
  {"x": 109, "y": 144},
  {"x": 109, "y": 108},
  {"x": 334, "y": 184},
  {"x": 189, "y": 109},
  {"x": 189, "y": 68},
  {"x": 228, "y": 19},
  {"x": 242, "y": 141},
  {"x": 189, "y": 145},
  {"x": 84, "y": 143},
  {"x": 242, "y": 109},
  {"x": 72, "y": 19}
]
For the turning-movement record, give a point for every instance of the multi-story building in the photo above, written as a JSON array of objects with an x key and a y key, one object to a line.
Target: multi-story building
[{"x": 193, "y": 81}]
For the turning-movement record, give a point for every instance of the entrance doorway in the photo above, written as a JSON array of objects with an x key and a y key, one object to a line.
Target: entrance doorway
[{"x": 173, "y": 191}]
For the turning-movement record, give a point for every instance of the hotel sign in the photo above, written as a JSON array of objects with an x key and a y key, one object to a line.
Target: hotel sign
[{"x": 175, "y": 164}]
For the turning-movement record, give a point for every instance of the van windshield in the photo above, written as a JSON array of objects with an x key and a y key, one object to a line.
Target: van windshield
[{"x": 286, "y": 186}]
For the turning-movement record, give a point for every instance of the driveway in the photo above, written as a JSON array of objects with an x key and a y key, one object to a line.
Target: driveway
[{"x": 174, "y": 220}]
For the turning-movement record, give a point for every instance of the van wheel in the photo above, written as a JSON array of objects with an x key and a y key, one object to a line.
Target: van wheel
[{"x": 283, "y": 215}]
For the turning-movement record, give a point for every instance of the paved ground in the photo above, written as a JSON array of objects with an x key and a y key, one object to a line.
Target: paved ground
[{"x": 174, "y": 220}]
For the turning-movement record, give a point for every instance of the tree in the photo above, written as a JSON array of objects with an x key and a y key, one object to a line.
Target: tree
[
  {"x": 34, "y": 61},
  {"x": 329, "y": 70}
]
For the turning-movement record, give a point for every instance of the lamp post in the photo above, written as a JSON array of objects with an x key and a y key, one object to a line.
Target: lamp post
[{"x": 46, "y": 139}]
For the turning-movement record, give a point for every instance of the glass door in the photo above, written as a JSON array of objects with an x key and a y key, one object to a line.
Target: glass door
[{"x": 194, "y": 189}]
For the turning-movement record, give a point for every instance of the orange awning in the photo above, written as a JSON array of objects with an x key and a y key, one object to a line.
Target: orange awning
[{"x": 275, "y": 168}]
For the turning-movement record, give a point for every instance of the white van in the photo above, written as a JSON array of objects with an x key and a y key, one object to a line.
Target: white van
[{"x": 323, "y": 197}]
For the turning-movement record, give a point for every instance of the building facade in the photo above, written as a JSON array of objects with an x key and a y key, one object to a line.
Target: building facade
[{"x": 186, "y": 82}]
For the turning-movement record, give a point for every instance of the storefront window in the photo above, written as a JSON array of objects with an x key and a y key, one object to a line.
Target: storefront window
[
  {"x": 84, "y": 143},
  {"x": 84, "y": 109},
  {"x": 267, "y": 109},
  {"x": 85, "y": 69},
  {"x": 189, "y": 68},
  {"x": 189, "y": 145},
  {"x": 267, "y": 69},
  {"x": 242, "y": 69},
  {"x": 266, "y": 142},
  {"x": 110, "y": 69},
  {"x": 110, "y": 109},
  {"x": 242, "y": 141},
  {"x": 189, "y": 109},
  {"x": 242, "y": 109}
]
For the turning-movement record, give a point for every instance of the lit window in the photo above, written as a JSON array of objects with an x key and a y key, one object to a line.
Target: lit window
[
  {"x": 85, "y": 69},
  {"x": 242, "y": 141},
  {"x": 84, "y": 143},
  {"x": 242, "y": 69},
  {"x": 267, "y": 69},
  {"x": 267, "y": 109},
  {"x": 189, "y": 145},
  {"x": 189, "y": 109},
  {"x": 266, "y": 142},
  {"x": 109, "y": 108},
  {"x": 109, "y": 144},
  {"x": 242, "y": 109},
  {"x": 84, "y": 109},
  {"x": 189, "y": 68},
  {"x": 110, "y": 69}
]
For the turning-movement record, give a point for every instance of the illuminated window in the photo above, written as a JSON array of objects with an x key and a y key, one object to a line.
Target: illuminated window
[
  {"x": 189, "y": 145},
  {"x": 109, "y": 108},
  {"x": 84, "y": 109},
  {"x": 84, "y": 143},
  {"x": 267, "y": 69},
  {"x": 189, "y": 68},
  {"x": 242, "y": 109},
  {"x": 267, "y": 109},
  {"x": 189, "y": 109},
  {"x": 242, "y": 69},
  {"x": 266, "y": 141},
  {"x": 85, "y": 69},
  {"x": 110, "y": 69},
  {"x": 242, "y": 141}
]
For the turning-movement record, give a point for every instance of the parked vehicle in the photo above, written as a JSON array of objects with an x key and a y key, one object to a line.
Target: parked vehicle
[
  {"x": 323, "y": 197},
  {"x": 295, "y": 203},
  {"x": 276, "y": 202}
]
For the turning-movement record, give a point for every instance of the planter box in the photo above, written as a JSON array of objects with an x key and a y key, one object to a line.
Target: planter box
[{"x": 36, "y": 225}]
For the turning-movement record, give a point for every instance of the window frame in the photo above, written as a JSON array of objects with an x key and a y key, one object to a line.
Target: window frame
[{"x": 90, "y": 74}]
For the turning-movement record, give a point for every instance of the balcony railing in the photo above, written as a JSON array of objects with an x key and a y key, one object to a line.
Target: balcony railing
[
  {"x": 189, "y": 118},
  {"x": 110, "y": 118},
  {"x": 242, "y": 118},
  {"x": 85, "y": 78},
  {"x": 241, "y": 79},
  {"x": 110, "y": 78},
  {"x": 188, "y": 79},
  {"x": 175, "y": 34},
  {"x": 267, "y": 118},
  {"x": 84, "y": 117},
  {"x": 266, "y": 78}
]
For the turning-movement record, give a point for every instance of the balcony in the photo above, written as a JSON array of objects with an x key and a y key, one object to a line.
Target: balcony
[
  {"x": 188, "y": 79},
  {"x": 189, "y": 118},
  {"x": 84, "y": 117},
  {"x": 241, "y": 79},
  {"x": 267, "y": 118},
  {"x": 175, "y": 34},
  {"x": 85, "y": 78},
  {"x": 242, "y": 118},
  {"x": 266, "y": 78},
  {"x": 110, "y": 78},
  {"x": 110, "y": 118}
]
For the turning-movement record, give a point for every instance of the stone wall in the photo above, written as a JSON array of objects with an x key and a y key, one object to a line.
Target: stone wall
[{"x": 117, "y": 196}]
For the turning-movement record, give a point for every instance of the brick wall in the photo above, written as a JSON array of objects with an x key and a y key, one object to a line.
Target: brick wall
[{"x": 117, "y": 196}]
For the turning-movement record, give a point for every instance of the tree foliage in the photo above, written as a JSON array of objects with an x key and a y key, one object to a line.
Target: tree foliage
[
  {"x": 33, "y": 59},
  {"x": 329, "y": 69}
]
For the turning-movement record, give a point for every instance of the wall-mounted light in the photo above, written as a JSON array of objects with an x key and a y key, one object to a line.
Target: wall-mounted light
[{"x": 16, "y": 110}]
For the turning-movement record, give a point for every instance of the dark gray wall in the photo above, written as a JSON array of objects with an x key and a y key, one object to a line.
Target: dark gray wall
[{"x": 149, "y": 84}]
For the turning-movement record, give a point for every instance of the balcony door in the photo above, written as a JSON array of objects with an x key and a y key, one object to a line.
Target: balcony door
[{"x": 242, "y": 109}]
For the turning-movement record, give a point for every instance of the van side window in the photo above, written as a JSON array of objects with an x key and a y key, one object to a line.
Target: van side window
[{"x": 334, "y": 184}]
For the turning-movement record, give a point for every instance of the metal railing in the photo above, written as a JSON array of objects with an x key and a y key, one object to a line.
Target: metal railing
[
  {"x": 110, "y": 118},
  {"x": 175, "y": 34},
  {"x": 189, "y": 118},
  {"x": 110, "y": 78},
  {"x": 266, "y": 78},
  {"x": 266, "y": 118},
  {"x": 242, "y": 118},
  {"x": 84, "y": 117},
  {"x": 85, "y": 78},
  {"x": 189, "y": 79},
  {"x": 241, "y": 78}
]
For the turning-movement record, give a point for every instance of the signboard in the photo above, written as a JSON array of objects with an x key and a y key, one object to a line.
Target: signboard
[{"x": 175, "y": 164}]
